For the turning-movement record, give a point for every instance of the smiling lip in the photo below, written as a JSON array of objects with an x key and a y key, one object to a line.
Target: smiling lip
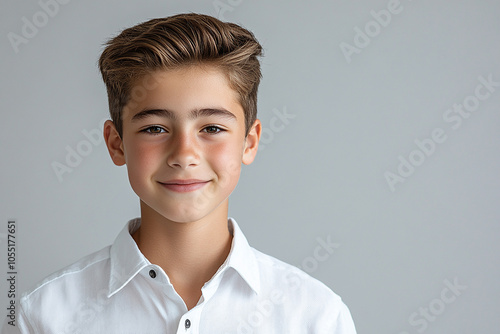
[{"x": 183, "y": 186}]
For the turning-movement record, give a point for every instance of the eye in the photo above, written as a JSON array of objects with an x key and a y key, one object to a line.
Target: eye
[
  {"x": 154, "y": 130},
  {"x": 212, "y": 129}
]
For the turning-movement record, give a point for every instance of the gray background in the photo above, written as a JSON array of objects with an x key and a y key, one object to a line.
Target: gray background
[{"x": 319, "y": 176}]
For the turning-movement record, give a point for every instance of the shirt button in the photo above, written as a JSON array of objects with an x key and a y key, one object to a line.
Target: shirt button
[
  {"x": 187, "y": 323},
  {"x": 152, "y": 273}
]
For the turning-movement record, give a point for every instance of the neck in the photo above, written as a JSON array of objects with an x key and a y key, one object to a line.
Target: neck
[{"x": 189, "y": 253}]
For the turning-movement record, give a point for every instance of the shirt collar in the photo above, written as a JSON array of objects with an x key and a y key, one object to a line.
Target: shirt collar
[
  {"x": 127, "y": 260},
  {"x": 242, "y": 258}
]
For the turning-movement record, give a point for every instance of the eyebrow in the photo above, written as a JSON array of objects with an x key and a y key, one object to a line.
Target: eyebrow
[{"x": 196, "y": 113}]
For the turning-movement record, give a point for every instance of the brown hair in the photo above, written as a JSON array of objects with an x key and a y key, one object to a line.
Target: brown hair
[{"x": 175, "y": 41}]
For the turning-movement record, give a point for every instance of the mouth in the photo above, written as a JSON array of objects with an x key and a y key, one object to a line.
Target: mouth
[{"x": 183, "y": 186}]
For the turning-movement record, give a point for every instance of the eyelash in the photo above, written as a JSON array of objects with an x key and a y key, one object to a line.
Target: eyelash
[
  {"x": 148, "y": 130},
  {"x": 162, "y": 130},
  {"x": 219, "y": 129}
]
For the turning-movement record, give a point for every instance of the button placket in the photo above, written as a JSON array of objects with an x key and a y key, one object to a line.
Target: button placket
[{"x": 190, "y": 321}]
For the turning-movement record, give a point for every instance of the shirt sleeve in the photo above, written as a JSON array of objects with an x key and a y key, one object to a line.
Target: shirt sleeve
[
  {"x": 344, "y": 323},
  {"x": 333, "y": 318}
]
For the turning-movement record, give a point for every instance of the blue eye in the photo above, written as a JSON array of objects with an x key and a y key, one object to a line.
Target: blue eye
[{"x": 154, "y": 130}]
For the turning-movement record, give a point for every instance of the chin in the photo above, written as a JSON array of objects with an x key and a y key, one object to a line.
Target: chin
[{"x": 184, "y": 216}]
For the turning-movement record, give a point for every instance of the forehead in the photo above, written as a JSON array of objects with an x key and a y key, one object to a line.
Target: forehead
[{"x": 181, "y": 89}]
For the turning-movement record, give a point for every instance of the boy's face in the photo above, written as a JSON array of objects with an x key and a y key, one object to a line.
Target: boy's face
[{"x": 183, "y": 143}]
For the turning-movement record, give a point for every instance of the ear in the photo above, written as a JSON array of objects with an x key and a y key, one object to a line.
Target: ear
[
  {"x": 252, "y": 142},
  {"x": 114, "y": 143}
]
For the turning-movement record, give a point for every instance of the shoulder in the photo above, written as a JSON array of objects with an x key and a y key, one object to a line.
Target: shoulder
[
  {"x": 76, "y": 271},
  {"x": 303, "y": 298},
  {"x": 293, "y": 282},
  {"x": 62, "y": 288},
  {"x": 277, "y": 271}
]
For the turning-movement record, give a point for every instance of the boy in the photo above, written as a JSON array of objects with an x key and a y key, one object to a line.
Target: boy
[{"x": 182, "y": 96}]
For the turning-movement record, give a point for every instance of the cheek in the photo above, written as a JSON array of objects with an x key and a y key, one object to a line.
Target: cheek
[
  {"x": 141, "y": 161},
  {"x": 226, "y": 161}
]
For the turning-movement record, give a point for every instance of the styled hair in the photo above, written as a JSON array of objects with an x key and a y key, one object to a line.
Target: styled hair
[{"x": 176, "y": 41}]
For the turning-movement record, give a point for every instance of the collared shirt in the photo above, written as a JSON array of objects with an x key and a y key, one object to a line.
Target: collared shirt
[{"x": 117, "y": 290}]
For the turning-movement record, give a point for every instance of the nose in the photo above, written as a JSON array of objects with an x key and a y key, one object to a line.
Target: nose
[{"x": 184, "y": 151}]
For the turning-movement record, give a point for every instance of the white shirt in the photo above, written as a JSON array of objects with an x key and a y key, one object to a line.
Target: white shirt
[{"x": 117, "y": 290}]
